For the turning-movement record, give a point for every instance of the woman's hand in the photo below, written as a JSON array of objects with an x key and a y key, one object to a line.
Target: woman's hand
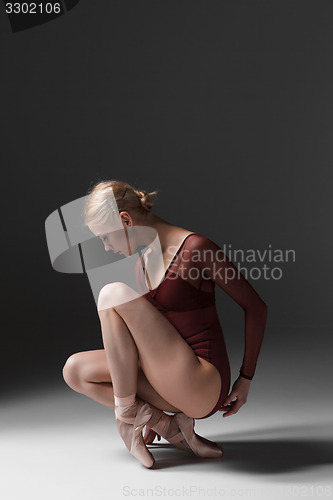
[
  {"x": 150, "y": 435},
  {"x": 239, "y": 391}
]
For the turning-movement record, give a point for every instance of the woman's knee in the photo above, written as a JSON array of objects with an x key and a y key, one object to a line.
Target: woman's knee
[
  {"x": 72, "y": 371},
  {"x": 115, "y": 294}
]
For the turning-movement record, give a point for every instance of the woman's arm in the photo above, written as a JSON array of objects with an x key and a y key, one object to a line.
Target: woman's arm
[
  {"x": 216, "y": 266},
  {"x": 255, "y": 322}
]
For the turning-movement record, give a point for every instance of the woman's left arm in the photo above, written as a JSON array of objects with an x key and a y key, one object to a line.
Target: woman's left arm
[{"x": 216, "y": 265}]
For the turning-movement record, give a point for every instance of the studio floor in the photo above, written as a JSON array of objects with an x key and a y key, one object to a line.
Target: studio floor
[{"x": 58, "y": 444}]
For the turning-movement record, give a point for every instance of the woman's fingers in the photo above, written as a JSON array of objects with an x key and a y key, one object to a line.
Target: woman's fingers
[
  {"x": 232, "y": 408},
  {"x": 228, "y": 405},
  {"x": 232, "y": 411},
  {"x": 233, "y": 395},
  {"x": 237, "y": 397}
]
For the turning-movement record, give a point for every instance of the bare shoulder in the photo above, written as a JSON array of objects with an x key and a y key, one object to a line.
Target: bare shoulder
[
  {"x": 173, "y": 239},
  {"x": 178, "y": 234}
]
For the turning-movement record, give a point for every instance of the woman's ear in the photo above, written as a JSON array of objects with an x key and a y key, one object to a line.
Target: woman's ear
[{"x": 126, "y": 218}]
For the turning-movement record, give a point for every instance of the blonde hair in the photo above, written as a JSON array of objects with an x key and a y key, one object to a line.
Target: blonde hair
[{"x": 98, "y": 208}]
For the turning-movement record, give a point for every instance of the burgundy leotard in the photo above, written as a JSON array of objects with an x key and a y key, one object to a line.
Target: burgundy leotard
[{"x": 186, "y": 297}]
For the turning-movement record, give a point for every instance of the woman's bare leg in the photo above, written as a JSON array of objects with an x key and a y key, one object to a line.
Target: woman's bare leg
[
  {"x": 175, "y": 379},
  {"x": 88, "y": 373},
  {"x": 121, "y": 354},
  {"x": 176, "y": 373},
  {"x": 124, "y": 357}
]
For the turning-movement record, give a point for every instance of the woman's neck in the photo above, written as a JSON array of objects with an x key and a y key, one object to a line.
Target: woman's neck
[{"x": 162, "y": 227}]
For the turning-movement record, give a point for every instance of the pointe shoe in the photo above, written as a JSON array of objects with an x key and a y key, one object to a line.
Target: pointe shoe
[
  {"x": 186, "y": 439},
  {"x": 130, "y": 424},
  {"x": 200, "y": 446}
]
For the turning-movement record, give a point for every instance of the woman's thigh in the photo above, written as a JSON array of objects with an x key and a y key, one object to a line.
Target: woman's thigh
[{"x": 185, "y": 380}]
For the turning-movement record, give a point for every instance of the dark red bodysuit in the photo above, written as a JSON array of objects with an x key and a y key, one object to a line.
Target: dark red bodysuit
[{"x": 186, "y": 297}]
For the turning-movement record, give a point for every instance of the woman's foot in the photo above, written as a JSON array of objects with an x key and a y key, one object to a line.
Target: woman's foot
[
  {"x": 178, "y": 429},
  {"x": 199, "y": 445},
  {"x": 130, "y": 422}
]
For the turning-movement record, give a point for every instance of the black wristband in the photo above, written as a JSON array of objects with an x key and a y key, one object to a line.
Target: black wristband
[{"x": 245, "y": 376}]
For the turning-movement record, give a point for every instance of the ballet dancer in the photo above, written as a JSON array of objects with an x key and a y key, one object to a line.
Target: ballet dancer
[{"x": 164, "y": 350}]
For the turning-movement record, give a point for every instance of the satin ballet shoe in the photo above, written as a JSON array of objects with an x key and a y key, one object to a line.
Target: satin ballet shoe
[
  {"x": 185, "y": 439},
  {"x": 160, "y": 422},
  {"x": 208, "y": 442},
  {"x": 200, "y": 446},
  {"x": 130, "y": 423}
]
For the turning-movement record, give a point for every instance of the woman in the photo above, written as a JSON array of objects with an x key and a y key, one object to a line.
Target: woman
[{"x": 165, "y": 350}]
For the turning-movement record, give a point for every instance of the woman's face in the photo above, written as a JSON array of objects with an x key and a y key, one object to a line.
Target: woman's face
[{"x": 114, "y": 240}]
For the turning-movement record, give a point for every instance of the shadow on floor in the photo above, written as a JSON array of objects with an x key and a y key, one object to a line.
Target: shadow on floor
[
  {"x": 277, "y": 456},
  {"x": 254, "y": 454}
]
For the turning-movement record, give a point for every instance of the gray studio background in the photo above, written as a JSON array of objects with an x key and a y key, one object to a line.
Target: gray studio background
[
  {"x": 226, "y": 109},
  {"x": 223, "y": 107}
]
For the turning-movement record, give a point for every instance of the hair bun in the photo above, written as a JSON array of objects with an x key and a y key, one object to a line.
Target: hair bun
[
  {"x": 145, "y": 198},
  {"x": 140, "y": 194}
]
